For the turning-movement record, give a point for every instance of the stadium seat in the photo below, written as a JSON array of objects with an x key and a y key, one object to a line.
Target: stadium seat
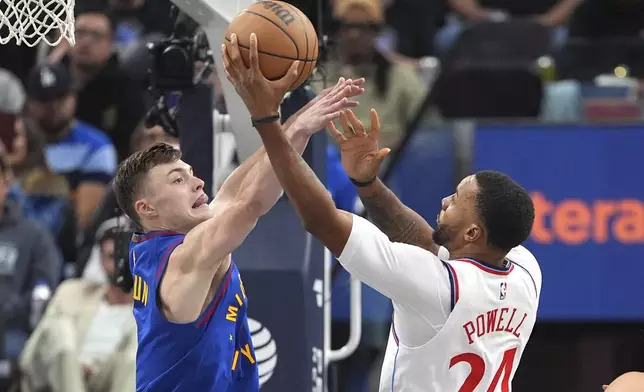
[{"x": 491, "y": 71}]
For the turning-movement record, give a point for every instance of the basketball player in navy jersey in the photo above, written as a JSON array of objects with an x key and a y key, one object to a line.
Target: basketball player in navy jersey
[{"x": 190, "y": 304}]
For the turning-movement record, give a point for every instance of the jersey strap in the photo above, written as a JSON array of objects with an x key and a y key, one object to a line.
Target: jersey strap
[
  {"x": 489, "y": 268},
  {"x": 393, "y": 330},
  {"x": 166, "y": 256},
  {"x": 453, "y": 281},
  {"x": 142, "y": 237}
]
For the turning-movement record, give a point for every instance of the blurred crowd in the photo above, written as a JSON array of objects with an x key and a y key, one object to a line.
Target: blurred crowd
[{"x": 69, "y": 115}]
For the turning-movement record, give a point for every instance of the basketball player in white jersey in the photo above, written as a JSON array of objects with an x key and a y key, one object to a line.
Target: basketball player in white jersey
[
  {"x": 468, "y": 325},
  {"x": 460, "y": 324}
]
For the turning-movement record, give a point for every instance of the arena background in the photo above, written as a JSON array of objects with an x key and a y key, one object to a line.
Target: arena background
[{"x": 562, "y": 116}]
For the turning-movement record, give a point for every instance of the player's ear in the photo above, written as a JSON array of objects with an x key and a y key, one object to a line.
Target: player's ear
[
  {"x": 473, "y": 233},
  {"x": 144, "y": 209}
]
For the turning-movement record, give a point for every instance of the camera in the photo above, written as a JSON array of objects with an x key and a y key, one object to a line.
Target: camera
[
  {"x": 173, "y": 70},
  {"x": 173, "y": 64}
]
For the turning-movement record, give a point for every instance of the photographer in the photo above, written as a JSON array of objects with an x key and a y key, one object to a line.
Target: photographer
[{"x": 87, "y": 338}]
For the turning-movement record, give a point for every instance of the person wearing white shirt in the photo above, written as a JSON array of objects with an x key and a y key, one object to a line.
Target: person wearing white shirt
[
  {"x": 86, "y": 342},
  {"x": 459, "y": 324}
]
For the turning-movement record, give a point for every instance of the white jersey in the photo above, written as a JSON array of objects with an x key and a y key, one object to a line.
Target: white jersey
[{"x": 479, "y": 317}]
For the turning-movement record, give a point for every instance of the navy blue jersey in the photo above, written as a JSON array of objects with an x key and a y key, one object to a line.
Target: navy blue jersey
[{"x": 213, "y": 354}]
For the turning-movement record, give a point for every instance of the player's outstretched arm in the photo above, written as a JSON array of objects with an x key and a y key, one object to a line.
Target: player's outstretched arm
[
  {"x": 312, "y": 119},
  {"x": 204, "y": 254},
  {"x": 298, "y": 134},
  {"x": 363, "y": 249},
  {"x": 306, "y": 193},
  {"x": 298, "y": 137},
  {"x": 205, "y": 250},
  {"x": 361, "y": 159}
]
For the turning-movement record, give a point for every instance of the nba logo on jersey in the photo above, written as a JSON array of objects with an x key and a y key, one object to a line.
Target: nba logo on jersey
[{"x": 503, "y": 290}]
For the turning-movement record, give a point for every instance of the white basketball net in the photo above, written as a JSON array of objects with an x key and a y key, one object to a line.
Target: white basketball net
[{"x": 30, "y": 21}]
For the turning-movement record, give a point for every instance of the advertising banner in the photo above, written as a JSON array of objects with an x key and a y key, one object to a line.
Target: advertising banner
[{"x": 588, "y": 189}]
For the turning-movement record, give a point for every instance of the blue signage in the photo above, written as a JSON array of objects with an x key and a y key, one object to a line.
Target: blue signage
[{"x": 588, "y": 189}]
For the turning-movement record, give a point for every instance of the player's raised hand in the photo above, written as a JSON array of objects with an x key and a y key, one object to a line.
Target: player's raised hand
[
  {"x": 262, "y": 96},
  {"x": 361, "y": 157},
  {"x": 356, "y": 89},
  {"x": 328, "y": 105}
]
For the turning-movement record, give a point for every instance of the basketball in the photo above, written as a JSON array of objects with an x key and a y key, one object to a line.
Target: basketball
[{"x": 284, "y": 34}]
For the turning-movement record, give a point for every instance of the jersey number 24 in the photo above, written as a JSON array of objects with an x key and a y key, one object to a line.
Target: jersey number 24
[{"x": 477, "y": 365}]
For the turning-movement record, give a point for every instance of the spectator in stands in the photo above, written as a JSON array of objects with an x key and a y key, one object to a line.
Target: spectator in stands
[
  {"x": 43, "y": 195},
  {"x": 80, "y": 152},
  {"x": 107, "y": 98},
  {"x": 12, "y": 101},
  {"x": 87, "y": 338},
  {"x": 551, "y": 13},
  {"x": 394, "y": 90},
  {"x": 134, "y": 21},
  {"x": 28, "y": 259},
  {"x": 108, "y": 208}
]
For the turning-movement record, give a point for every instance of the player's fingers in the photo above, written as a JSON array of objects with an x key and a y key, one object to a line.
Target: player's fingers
[
  {"x": 337, "y": 106},
  {"x": 337, "y": 135},
  {"x": 347, "y": 128},
  {"x": 381, "y": 155},
  {"x": 329, "y": 91},
  {"x": 331, "y": 116},
  {"x": 375, "y": 125},
  {"x": 604, "y": 387},
  {"x": 341, "y": 82},
  {"x": 345, "y": 92},
  {"x": 357, "y": 124},
  {"x": 356, "y": 88},
  {"x": 229, "y": 67},
  {"x": 254, "y": 56},
  {"x": 337, "y": 89},
  {"x": 235, "y": 54},
  {"x": 342, "y": 104},
  {"x": 291, "y": 75},
  {"x": 355, "y": 91}
]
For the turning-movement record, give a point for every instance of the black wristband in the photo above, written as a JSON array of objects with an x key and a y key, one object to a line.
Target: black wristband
[
  {"x": 264, "y": 120},
  {"x": 363, "y": 184}
]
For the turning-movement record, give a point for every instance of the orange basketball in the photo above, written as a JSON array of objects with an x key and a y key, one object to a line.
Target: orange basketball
[{"x": 284, "y": 34}]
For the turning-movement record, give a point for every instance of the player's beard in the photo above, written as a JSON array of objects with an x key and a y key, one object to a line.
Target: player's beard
[{"x": 443, "y": 236}]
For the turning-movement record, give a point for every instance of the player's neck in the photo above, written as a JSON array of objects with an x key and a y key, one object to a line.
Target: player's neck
[{"x": 148, "y": 227}]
